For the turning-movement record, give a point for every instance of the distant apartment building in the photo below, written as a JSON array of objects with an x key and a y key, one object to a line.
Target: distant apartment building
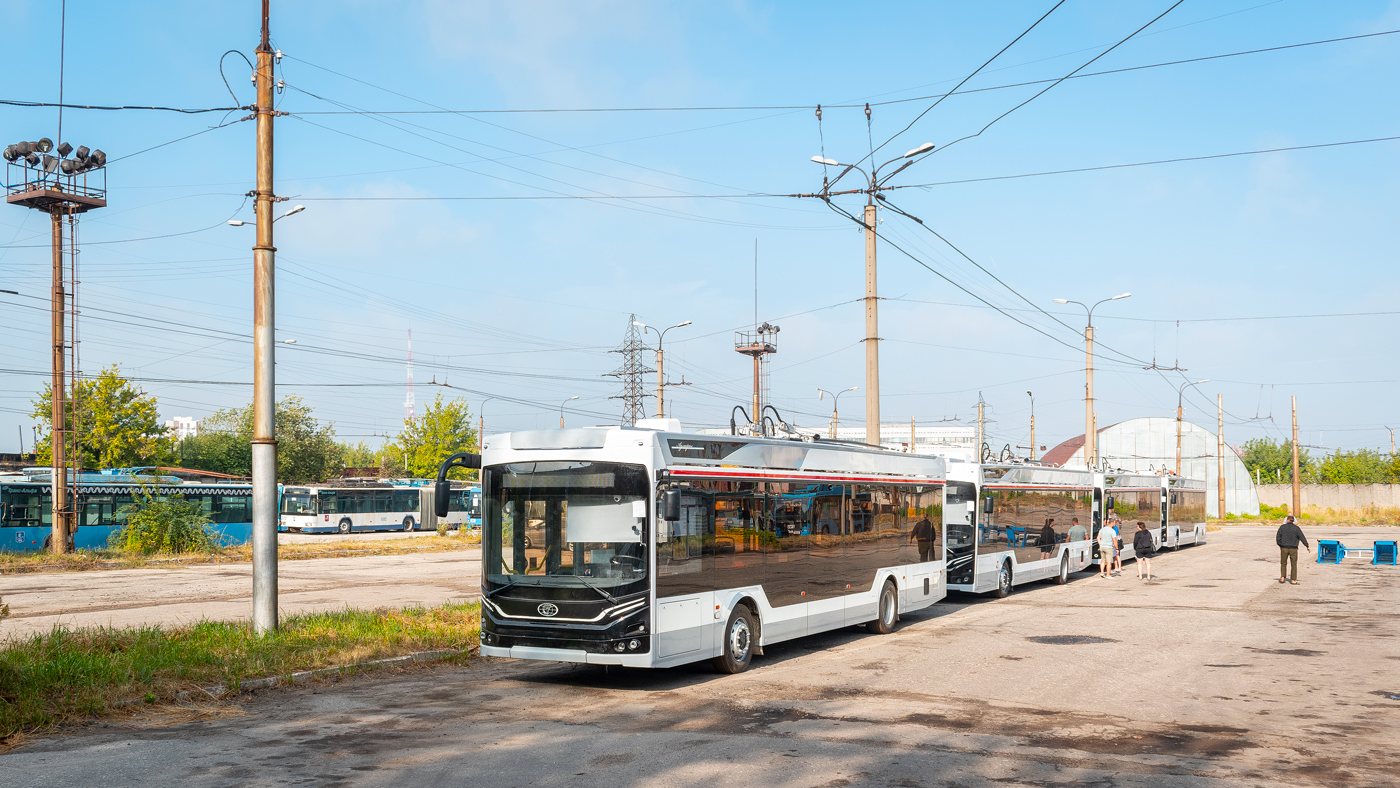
[{"x": 183, "y": 427}]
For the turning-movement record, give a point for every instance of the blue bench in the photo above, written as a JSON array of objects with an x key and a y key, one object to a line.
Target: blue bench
[{"x": 1331, "y": 551}]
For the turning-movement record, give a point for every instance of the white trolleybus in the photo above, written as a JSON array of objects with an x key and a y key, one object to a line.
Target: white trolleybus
[
  {"x": 1173, "y": 508},
  {"x": 653, "y": 548},
  {"x": 370, "y": 505},
  {"x": 1015, "y": 524}
]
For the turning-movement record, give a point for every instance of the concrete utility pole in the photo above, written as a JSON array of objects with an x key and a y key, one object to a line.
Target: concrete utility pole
[
  {"x": 661, "y": 383},
  {"x": 1220, "y": 450},
  {"x": 981, "y": 436},
  {"x": 58, "y": 387},
  {"x": 872, "y": 333},
  {"x": 911, "y": 435},
  {"x": 1032, "y": 396},
  {"x": 1297, "y": 509},
  {"x": 1091, "y": 431},
  {"x": 264, "y": 384}
]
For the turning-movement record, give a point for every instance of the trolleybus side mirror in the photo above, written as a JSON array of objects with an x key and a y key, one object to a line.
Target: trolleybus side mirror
[
  {"x": 442, "y": 489},
  {"x": 987, "y": 505},
  {"x": 1110, "y": 503},
  {"x": 671, "y": 505}
]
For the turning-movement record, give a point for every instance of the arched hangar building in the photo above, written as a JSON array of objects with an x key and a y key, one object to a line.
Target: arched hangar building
[{"x": 1148, "y": 445}]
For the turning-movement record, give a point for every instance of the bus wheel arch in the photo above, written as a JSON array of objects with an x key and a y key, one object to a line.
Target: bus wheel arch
[
  {"x": 739, "y": 641},
  {"x": 344, "y": 525},
  {"x": 408, "y": 524},
  {"x": 755, "y": 619},
  {"x": 1005, "y": 579},
  {"x": 1062, "y": 577}
]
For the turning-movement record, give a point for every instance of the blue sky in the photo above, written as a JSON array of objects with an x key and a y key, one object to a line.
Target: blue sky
[{"x": 522, "y": 297}]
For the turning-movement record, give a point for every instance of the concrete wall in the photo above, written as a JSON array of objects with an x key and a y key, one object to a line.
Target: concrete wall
[{"x": 1332, "y": 496}]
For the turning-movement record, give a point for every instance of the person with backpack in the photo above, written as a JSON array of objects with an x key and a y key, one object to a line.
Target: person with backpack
[
  {"x": 1288, "y": 537},
  {"x": 1143, "y": 549},
  {"x": 1108, "y": 548}
]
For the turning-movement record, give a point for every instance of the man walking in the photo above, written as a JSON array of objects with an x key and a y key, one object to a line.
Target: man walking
[{"x": 1289, "y": 535}]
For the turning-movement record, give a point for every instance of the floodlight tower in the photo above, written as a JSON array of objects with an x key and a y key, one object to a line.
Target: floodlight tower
[{"x": 62, "y": 187}]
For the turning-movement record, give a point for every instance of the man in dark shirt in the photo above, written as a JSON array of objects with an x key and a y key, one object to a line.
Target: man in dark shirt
[
  {"x": 1289, "y": 535},
  {"x": 923, "y": 535}
]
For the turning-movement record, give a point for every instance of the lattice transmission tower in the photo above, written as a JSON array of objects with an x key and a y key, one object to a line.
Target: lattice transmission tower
[{"x": 634, "y": 393}]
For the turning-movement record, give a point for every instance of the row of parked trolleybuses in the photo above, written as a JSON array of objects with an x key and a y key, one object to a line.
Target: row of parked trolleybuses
[
  {"x": 649, "y": 547},
  {"x": 26, "y": 506}
]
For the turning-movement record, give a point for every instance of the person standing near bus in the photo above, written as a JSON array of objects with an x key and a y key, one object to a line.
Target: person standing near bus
[
  {"x": 1118, "y": 546},
  {"x": 1047, "y": 539},
  {"x": 1288, "y": 537},
  {"x": 1076, "y": 531},
  {"x": 1108, "y": 548},
  {"x": 1142, "y": 548},
  {"x": 923, "y": 535}
]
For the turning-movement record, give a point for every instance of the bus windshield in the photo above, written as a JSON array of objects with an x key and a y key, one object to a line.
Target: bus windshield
[
  {"x": 294, "y": 503},
  {"x": 565, "y": 524}
]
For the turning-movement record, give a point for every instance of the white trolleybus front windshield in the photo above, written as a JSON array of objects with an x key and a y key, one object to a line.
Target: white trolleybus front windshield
[{"x": 565, "y": 556}]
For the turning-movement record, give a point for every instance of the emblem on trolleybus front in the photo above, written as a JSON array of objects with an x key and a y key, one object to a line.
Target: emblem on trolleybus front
[{"x": 548, "y": 609}]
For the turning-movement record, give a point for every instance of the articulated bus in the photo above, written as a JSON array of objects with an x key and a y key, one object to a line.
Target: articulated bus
[
  {"x": 26, "y": 507},
  {"x": 997, "y": 527},
  {"x": 652, "y": 548},
  {"x": 360, "y": 506}
]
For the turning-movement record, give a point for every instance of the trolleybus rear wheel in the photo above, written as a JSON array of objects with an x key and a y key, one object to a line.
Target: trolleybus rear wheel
[
  {"x": 738, "y": 642},
  {"x": 344, "y": 525},
  {"x": 408, "y": 523},
  {"x": 1004, "y": 580},
  {"x": 1063, "y": 576},
  {"x": 889, "y": 611}
]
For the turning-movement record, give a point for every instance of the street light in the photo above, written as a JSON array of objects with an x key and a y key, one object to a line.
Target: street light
[
  {"x": 661, "y": 383},
  {"x": 875, "y": 183},
  {"x": 1179, "y": 391},
  {"x": 1091, "y": 435},
  {"x": 821, "y": 393},
  {"x": 241, "y": 223},
  {"x": 1032, "y": 396},
  {"x": 561, "y": 410},
  {"x": 481, "y": 424}
]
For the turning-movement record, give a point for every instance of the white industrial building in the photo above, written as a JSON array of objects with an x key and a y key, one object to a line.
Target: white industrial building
[
  {"x": 183, "y": 427},
  {"x": 1148, "y": 445}
]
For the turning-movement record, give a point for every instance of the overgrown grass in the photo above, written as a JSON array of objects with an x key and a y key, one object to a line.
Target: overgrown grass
[
  {"x": 1316, "y": 515},
  {"x": 333, "y": 547},
  {"x": 73, "y": 674}
]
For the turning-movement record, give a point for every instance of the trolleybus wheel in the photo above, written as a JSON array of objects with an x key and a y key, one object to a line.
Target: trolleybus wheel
[
  {"x": 408, "y": 523},
  {"x": 1004, "y": 580},
  {"x": 889, "y": 611},
  {"x": 738, "y": 642},
  {"x": 1063, "y": 576},
  {"x": 344, "y": 526}
]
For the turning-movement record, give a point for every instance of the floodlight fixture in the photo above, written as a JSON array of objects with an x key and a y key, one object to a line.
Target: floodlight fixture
[
  {"x": 83, "y": 151},
  {"x": 11, "y": 153},
  {"x": 828, "y": 162},
  {"x": 68, "y": 166},
  {"x": 50, "y": 163},
  {"x": 32, "y": 159},
  {"x": 64, "y": 149},
  {"x": 99, "y": 157},
  {"x": 23, "y": 148},
  {"x": 925, "y": 148},
  {"x": 44, "y": 145}
]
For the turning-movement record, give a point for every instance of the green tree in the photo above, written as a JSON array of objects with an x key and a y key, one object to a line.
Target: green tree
[
  {"x": 1363, "y": 466},
  {"x": 306, "y": 449},
  {"x": 118, "y": 423},
  {"x": 1274, "y": 460},
  {"x": 359, "y": 455},
  {"x": 441, "y": 430}
]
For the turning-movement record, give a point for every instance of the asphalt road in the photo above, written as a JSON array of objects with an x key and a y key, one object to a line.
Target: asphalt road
[
  {"x": 1213, "y": 675},
  {"x": 223, "y": 592}
]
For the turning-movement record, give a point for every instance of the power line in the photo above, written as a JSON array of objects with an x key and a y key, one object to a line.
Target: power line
[{"x": 183, "y": 110}]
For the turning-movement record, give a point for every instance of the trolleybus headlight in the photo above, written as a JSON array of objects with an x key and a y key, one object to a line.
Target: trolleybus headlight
[
  {"x": 620, "y": 646},
  {"x": 634, "y": 644}
]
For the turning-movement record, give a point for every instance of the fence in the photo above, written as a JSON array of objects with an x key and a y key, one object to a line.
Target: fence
[{"x": 1333, "y": 496}]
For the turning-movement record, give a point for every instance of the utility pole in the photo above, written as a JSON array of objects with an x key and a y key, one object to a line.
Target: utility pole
[
  {"x": 264, "y": 386},
  {"x": 1179, "y": 390},
  {"x": 1032, "y": 396},
  {"x": 1220, "y": 450},
  {"x": 481, "y": 424},
  {"x": 62, "y": 187},
  {"x": 981, "y": 436},
  {"x": 911, "y": 435},
  {"x": 872, "y": 332},
  {"x": 1297, "y": 510},
  {"x": 661, "y": 383},
  {"x": 1091, "y": 432}
]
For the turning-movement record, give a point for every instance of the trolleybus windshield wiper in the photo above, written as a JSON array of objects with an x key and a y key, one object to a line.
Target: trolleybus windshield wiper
[{"x": 605, "y": 594}]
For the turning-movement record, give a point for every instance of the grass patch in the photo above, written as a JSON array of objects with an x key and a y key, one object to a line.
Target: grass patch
[
  {"x": 74, "y": 674},
  {"x": 1317, "y": 516},
  {"x": 333, "y": 547}
]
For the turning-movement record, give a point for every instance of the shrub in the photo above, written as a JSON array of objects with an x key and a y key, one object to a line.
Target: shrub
[
  {"x": 442, "y": 528},
  {"x": 164, "y": 525}
]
